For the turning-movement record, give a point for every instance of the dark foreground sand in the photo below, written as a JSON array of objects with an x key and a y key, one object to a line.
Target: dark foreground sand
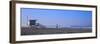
[{"x": 37, "y": 31}]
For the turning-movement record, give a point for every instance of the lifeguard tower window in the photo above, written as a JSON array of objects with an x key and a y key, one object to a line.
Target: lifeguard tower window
[{"x": 32, "y": 22}]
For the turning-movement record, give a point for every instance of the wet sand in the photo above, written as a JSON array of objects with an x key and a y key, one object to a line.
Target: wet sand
[{"x": 41, "y": 31}]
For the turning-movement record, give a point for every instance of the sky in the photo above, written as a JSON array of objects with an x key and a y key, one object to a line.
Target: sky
[{"x": 52, "y": 17}]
